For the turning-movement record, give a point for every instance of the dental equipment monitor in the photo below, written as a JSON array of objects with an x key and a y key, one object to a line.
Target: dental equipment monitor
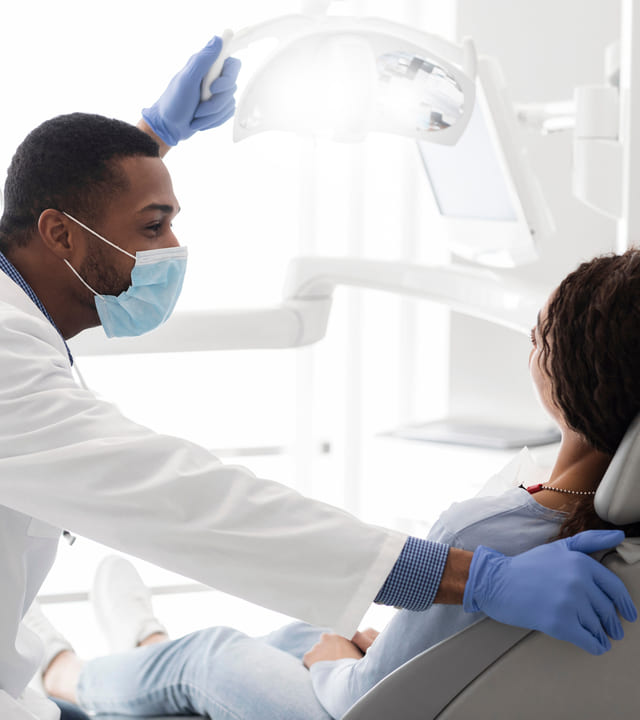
[{"x": 483, "y": 185}]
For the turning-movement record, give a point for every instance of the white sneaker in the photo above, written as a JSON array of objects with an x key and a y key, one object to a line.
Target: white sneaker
[
  {"x": 53, "y": 640},
  {"x": 122, "y": 604}
]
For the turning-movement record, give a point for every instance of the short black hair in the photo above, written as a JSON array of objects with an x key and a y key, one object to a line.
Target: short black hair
[{"x": 67, "y": 163}]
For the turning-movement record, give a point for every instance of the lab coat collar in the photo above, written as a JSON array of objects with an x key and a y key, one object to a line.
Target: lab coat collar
[{"x": 11, "y": 271}]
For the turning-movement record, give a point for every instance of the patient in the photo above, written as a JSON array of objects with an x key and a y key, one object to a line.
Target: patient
[{"x": 584, "y": 365}]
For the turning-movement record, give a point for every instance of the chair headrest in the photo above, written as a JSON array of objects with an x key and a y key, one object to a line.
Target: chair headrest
[{"x": 618, "y": 497}]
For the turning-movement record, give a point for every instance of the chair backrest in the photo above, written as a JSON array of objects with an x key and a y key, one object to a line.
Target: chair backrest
[
  {"x": 618, "y": 496},
  {"x": 149, "y": 717},
  {"x": 490, "y": 670}
]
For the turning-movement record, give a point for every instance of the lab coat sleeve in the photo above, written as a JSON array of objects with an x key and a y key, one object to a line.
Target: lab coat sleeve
[{"x": 72, "y": 460}]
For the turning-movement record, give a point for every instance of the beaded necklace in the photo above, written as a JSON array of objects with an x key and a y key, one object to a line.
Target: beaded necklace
[{"x": 532, "y": 489}]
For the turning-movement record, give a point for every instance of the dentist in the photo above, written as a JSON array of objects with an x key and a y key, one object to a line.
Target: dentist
[{"x": 86, "y": 240}]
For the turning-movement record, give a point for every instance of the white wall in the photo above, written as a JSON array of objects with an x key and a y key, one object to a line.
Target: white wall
[{"x": 545, "y": 49}]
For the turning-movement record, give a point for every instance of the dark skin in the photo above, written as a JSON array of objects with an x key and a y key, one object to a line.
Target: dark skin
[{"x": 138, "y": 218}]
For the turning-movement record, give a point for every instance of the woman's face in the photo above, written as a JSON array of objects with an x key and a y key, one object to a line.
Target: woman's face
[{"x": 540, "y": 376}]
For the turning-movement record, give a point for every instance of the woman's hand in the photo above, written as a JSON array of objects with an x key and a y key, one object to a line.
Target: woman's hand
[
  {"x": 363, "y": 639},
  {"x": 336, "y": 647},
  {"x": 331, "y": 647}
]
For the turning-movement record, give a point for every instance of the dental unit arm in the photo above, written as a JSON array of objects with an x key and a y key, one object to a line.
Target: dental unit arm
[{"x": 302, "y": 317}]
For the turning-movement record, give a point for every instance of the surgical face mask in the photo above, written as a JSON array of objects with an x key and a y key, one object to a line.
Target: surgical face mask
[{"x": 156, "y": 281}]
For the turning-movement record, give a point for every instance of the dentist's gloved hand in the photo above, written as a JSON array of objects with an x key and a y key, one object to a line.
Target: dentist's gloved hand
[
  {"x": 179, "y": 113},
  {"x": 555, "y": 588}
]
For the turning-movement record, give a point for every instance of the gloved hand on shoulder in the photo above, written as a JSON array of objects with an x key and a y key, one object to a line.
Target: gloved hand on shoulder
[{"x": 556, "y": 588}]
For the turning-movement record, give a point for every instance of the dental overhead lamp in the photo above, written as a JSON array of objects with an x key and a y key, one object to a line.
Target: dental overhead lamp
[{"x": 342, "y": 78}]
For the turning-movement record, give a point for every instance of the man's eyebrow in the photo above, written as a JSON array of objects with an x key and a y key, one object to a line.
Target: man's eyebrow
[{"x": 167, "y": 209}]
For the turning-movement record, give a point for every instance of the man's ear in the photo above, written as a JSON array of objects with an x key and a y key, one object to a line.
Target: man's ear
[{"x": 56, "y": 232}]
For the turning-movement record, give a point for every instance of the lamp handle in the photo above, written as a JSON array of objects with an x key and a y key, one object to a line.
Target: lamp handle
[{"x": 216, "y": 68}]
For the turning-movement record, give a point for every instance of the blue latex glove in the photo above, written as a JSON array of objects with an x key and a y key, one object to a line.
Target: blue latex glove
[
  {"x": 179, "y": 113},
  {"x": 555, "y": 588}
]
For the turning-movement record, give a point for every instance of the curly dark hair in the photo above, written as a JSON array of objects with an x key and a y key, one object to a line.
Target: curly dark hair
[
  {"x": 67, "y": 163},
  {"x": 591, "y": 350}
]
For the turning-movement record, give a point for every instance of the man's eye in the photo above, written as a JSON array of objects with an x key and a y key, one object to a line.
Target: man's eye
[{"x": 155, "y": 228}]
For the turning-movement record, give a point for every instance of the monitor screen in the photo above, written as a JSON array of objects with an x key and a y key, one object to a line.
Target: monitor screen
[
  {"x": 483, "y": 184},
  {"x": 466, "y": 178}
]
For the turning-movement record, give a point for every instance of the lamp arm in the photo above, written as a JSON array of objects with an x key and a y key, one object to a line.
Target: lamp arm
[
  {"x": 473, "y": 291},
  {"x": 303, "y": 316},
  {"x": 294, "y": 323}
]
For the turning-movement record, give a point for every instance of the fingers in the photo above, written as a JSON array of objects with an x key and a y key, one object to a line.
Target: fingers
[
  {"x": 586, "y": 632},
  {"x": 331, "y": 647},
  {"x": 226, "y": 81},
  {"x": 213, "y": 120},
  {"x": 591, "y": 541},
  {"x": 615, "y": 591},
  {"x": 200, "y": 63},
  {"x": 217, "y": 105},
  {"x": 605, "y": 617},
  {"x": 596, "y": 617},
  {"x": 230, "y": 69},
  {"x": 221, "y": 105},
  {"x": 222, "y": 84},
  {"x": 214, "y": 45},
  {"x": 364, "y": 639},
  {"x": 308, "y": 659}
]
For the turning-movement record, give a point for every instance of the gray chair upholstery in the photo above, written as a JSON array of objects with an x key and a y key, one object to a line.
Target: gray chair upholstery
[
  {"x": 490, "y": 671},
  {"x": 149, "y": 717},
  {"x": 493, "y": 671}
]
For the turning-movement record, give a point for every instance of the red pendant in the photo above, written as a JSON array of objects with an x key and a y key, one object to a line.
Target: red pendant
[{"x": 534, "y": 488}]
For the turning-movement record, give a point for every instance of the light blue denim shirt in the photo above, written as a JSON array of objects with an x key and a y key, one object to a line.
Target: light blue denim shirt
[{"x": 511, "y": 522}]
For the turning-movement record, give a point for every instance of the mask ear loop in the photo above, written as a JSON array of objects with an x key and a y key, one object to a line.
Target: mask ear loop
[
  {"x": 93, "y": 232},
  {"x": 82, "y": 280},
  {"x": 104, "y": 239}
]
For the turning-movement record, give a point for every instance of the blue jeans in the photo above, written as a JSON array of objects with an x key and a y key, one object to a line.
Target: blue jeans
[
  {"x": 220, "y": 673},
  {"x": 69, "y": 711}
]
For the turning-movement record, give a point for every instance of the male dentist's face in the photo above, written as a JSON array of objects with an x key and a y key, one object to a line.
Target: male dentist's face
[{"x": 138, "y": 218}]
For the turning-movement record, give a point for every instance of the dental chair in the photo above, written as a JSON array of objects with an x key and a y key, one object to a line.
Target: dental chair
[{"x": 490, "y": 671}]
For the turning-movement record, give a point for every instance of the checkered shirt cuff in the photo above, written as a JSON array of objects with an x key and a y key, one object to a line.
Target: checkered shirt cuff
[{"x": 413, "y": 582}]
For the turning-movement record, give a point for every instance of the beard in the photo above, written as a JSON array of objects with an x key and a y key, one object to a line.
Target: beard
[{"x": 99, "y": 272}]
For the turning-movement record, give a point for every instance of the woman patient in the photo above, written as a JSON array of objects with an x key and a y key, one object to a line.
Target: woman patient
[{"x": 584, "y": 365}]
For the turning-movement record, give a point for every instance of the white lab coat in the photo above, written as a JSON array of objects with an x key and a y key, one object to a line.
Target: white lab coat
[{"x": 69, "y": 460}]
